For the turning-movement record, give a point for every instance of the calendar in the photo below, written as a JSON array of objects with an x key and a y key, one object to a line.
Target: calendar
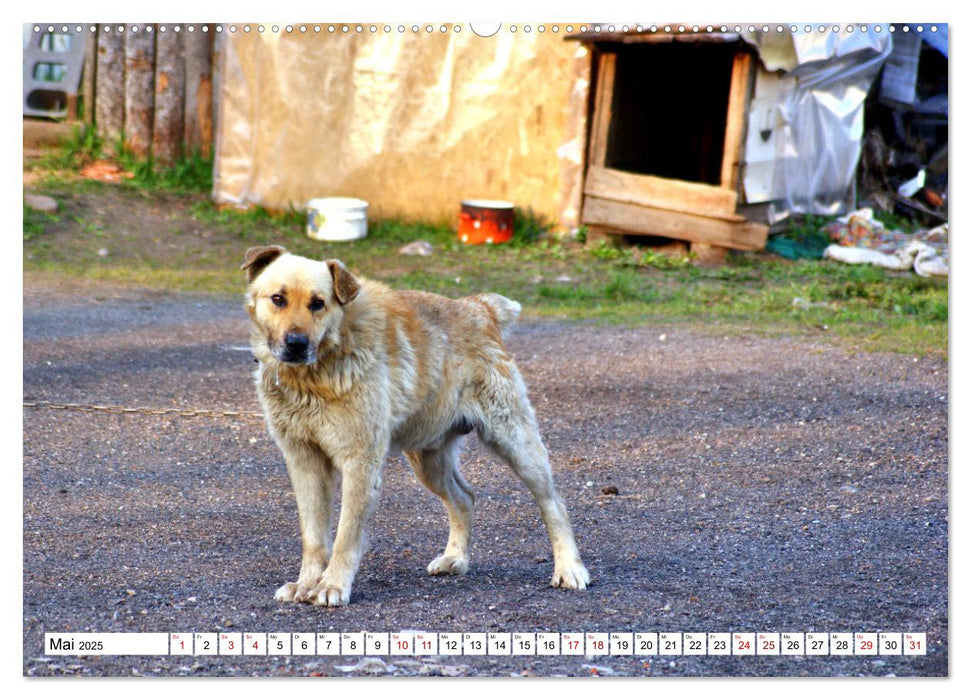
[{"x": 420, "y": 643}]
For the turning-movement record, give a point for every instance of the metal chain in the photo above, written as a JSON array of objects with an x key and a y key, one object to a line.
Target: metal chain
[{"x": 182, "y": 412}]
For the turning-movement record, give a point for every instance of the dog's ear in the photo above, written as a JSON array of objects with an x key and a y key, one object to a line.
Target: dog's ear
[
  {"x": 258, "y": 257},
  {"x": 346, "y": 286}
]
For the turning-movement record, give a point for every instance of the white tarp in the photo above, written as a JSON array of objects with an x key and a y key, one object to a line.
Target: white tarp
[{"x": 817, "y": 124}]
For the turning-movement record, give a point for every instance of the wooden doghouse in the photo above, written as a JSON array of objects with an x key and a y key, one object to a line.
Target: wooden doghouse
[{"x": 669, "y": 113}]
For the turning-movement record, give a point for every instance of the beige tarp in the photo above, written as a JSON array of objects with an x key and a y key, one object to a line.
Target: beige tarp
[{"x": 411, "y": 123}]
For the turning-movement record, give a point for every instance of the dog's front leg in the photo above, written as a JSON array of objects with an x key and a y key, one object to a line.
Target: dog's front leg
[
  {"x": 360, "y": 490},
  {"x": 311, "y": 476}
]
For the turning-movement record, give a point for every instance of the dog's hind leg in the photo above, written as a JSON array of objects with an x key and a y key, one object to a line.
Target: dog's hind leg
[
  {"x": 438, "y": 471},
  {"x": 509, "y": 428},
  {"x": 311, "y": 476}
]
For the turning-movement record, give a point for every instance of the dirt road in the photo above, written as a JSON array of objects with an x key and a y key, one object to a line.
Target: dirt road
[{"x": 761, "y": 485}]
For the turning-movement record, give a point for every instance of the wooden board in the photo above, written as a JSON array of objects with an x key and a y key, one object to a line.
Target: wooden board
[
  {"x": 87, "y": 76},
  {"x": 662, "y": 193},
  {"x": 168, "y": 129},
  {"x": 218, "y": 58},
  {"x": 603, "y": 109},
  {"x": 739, "y": 235},
  {"x": 109, "y": 99},
  {"x": 198, "y": 93},
  {"x": 735, "y": 119},
  {"x": 139, "y": 90}
]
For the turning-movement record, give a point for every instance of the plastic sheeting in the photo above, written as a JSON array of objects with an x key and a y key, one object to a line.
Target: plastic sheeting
[
  {"x": 413, "y": 123},
  {"x": 819, "y": 114}
]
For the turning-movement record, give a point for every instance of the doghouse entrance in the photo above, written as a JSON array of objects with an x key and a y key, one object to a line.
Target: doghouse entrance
[
  {"x": 665, "y": 141},
  {"x": 669, "y": 110}
]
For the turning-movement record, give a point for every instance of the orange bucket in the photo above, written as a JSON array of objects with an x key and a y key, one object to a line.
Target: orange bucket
[{"x": 485, "y": 221}]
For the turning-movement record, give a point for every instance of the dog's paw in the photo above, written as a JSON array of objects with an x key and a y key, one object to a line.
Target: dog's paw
[
  {"x": 286, "y": 593},
  {"x": 295, "y": 593},
  {"x": 448, "y": 564},
  {"x": 573, "y": 575},
  {"x": 331, "y": 596}
]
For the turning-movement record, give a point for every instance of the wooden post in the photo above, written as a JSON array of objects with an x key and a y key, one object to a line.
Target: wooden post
[
  {"x": 139, "y": 89},
  {"x": 87, "y": 75},
  {"x": 168, "y": 129},
  {"x": 603, "y": 108},
  {"x": 109, "y": 101},
  {"x": 736, "y": 118},
  {"x": 198, "y": 92},
  {"x": 218, "y": 55},
  {"x": 709, "y": 255}
]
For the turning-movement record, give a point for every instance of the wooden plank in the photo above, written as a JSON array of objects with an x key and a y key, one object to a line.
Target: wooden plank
[
  {"x": 139, "y": 89},
  {"x": 218, "y": 59},
  {"x": 603, "y": 109},
  {"x": 662, "y": 193},
  {"x": 109, "y": 101},
  {"x": 198, "y": 92},
  {"x": 735, "y": 119},
  {"x": 739, "y": 235},
  {"x": 169, "y": 112},
  {"x": 87, "y": 75}
]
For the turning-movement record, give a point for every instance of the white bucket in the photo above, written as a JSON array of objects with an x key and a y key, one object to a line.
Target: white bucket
[{"x": 337, "y": 219}]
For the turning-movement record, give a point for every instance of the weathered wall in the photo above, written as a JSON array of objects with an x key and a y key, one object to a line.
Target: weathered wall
[{"x": 412, "y": 123}]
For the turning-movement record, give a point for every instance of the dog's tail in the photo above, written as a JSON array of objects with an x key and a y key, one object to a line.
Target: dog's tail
[{"x": 503, "y": 310}]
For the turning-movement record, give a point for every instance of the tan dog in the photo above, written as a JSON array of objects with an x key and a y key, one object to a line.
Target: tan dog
[{"x": 350, "y": 369}]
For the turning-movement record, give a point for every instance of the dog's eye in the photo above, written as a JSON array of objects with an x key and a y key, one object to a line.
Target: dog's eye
[
  {"x": 279, "y": 300},
  {"x": 316, "y": 304}
]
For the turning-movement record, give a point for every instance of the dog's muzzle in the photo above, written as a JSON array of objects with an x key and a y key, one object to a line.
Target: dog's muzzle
[{"x": 295, "y": 348}]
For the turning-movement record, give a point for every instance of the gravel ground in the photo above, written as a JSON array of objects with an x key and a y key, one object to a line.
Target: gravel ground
[{"x": 762, "y": 484}]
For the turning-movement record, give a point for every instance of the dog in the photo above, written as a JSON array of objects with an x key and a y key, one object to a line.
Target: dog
[{"x": 349, "y": 370}]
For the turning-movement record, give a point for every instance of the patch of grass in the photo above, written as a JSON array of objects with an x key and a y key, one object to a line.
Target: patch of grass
[
  {"x": 89, "y": 228},
  {"x": 661, "y": 261},
  {"x": 36, "y": 222},
  {"x": 83, "y": 146},
  {"x": 192, "y": 173},
  {"x": 635, "y": 257},
  {"x": 605, "y": 250},
  {"x": 624, "y": 285},
  {"x": 808, "y": 225},
  {"x": 567, "y": 292},
  {"x": 256, "y": 224},
  {"x": 529, "y": 227},
  {"x": 393, "y": 232},
  {"x": 896, "y": 222}
]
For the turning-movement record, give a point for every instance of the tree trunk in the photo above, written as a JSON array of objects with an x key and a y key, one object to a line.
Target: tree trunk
[
  {"x": 109, "y": 107},
  {"x": 139, "y": 89},
  {"x": 198, "y": 92},
  {"x": 169, "y": 98}
]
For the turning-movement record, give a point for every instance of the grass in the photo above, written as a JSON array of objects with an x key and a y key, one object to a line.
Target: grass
[
  {"x": 192, "y": 173},
  {"x": 81, "y": 148},
  {"x": 162, "y": 231},
  {"x": 36, "y": 222}
]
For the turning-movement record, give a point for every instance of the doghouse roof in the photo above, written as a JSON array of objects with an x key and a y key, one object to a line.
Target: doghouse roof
[{"x": 654, "y": 37}]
